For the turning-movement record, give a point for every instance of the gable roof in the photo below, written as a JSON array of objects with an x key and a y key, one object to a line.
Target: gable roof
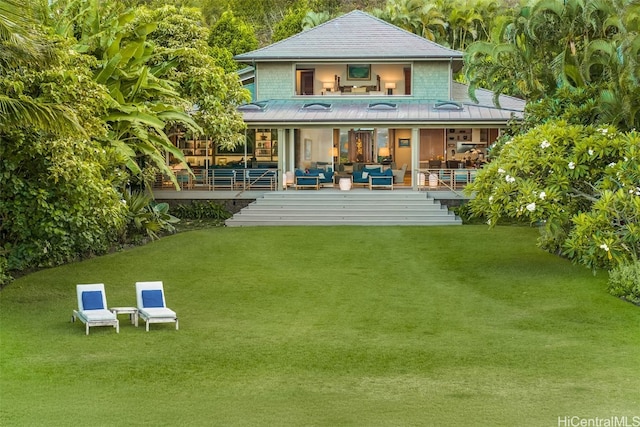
[{"x": 354, "y": 36}]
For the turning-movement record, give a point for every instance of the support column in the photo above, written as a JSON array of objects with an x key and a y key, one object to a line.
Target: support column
[
  {"x": 415, "y": 157},
  {"x": 282, "y": 158},
  {"x": 291, "y": 150}
]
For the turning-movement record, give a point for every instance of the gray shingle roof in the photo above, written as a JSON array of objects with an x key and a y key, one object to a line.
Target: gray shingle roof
[{"x": 354, "y": 36}]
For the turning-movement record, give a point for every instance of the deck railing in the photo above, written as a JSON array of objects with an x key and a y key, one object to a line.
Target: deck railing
[
  {"x": 222, "y": 179},
  {"x": 267, "y": 179},
  {"x": 451, "y": 179}
]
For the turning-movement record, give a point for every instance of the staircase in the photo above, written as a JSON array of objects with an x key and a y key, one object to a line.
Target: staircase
[{"x": 335, "y": 207}]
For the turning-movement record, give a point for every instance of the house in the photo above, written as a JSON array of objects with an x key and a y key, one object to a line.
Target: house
[{"x": 357, "y": 90}]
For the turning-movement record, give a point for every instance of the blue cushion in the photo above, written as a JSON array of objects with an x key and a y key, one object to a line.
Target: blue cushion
[
  {"x": 152, "y": 299},
  {"x": 357, "y": 177},
  {"x": 388, "y": 172},
  {"x": 92, "y": 300}
]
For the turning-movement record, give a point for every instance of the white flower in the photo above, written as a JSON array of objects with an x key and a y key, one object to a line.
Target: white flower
[
  {"x": 572, "y": 165},
  {"x": 489, "y": 222},
  {"x": 531, "y": 207},
  {"x": 611, "y": 164},
  {"x": 509, "y": 178},
  {"x": 590, "y": 152},
  {"x": 123, "y": 201},
  {"x": 501, "y": 170},
  {"x": 508, "y": 142},
  {"x": 544, "y": 144},
  {"x": 490, "y": 199},
  {"x": 543, "y": 195},
  {"x": 605, "y": 247},
  {"x": 603, "y": 131}
]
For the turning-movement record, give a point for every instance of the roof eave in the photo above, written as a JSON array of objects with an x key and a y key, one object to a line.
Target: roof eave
[
  {"x": 333, "y": 59},
  {"x": 378, "y": 123}
]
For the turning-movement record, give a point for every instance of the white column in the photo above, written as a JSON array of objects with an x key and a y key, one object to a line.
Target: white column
[
  {"x": 415, "y": 156},
  {"x": 291, "y": 150},
  {"x": 282, "y": 158}
]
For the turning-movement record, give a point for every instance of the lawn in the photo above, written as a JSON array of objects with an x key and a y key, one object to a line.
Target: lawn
[{"x": 326, "y": 326}]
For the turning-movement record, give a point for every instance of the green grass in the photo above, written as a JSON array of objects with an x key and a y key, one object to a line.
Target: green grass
[{"x": 325, "y": 326}]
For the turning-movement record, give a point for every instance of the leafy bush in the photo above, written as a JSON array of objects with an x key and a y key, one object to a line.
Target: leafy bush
[
  {"x": 5, "y": 278},
  {"x": 144, "y": 216},
  {"x": 579, "y": 182},
  {"x": 202, "y": 210},
  {"x": 624, "y": 282}
]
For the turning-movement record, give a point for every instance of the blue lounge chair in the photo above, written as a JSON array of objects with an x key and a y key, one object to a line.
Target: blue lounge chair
[
  {"x": 92, "y": 307},
  {"x": 151, "y": 304}
]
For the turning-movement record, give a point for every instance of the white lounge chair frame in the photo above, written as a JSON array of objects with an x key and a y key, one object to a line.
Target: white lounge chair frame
[
  {"x": 154, "y": 314},
  {"x": 94, "y": 317}
]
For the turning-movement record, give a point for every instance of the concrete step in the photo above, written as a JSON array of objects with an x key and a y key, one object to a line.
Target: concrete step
[
  {"x": 345, "y": 207},
  {"x": 360, "y": 207}
]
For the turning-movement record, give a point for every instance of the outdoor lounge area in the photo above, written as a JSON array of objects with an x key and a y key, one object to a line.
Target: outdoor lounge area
[{"x": 370, "y": 177}]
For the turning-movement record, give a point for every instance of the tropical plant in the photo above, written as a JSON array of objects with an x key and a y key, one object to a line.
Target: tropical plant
[
  {"x": 146, "y": 217},
  {"x": 464, "y": 23},
  {"x": 23, "y": 46},
  {"x": 212, "y": 93},
  {"x": 579, "y": 183},
  {"x": 57, "y": 197},
  {"x": 624, "y": 282},
  {"x": 291, "y": 23},
  {"x": 313, "y": 19},
  {"x": 233, "y": 34},
  {"x": 144, "y": 102},
  {"x": 421, "y": 18},
  {"x": 549, "y": 45}
]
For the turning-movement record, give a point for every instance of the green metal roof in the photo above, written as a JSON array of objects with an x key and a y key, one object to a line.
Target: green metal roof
[{"x": 379, "y": 111}]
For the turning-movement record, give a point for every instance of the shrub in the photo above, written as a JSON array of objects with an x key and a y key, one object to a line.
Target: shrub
[
  {"x": 624, "y": 282},
  {"x": 5, "y": 278},
  {"x": 144, "y": 216},
  {"x": 580, "y": 183},
  {"x": 202, "y": 210}
]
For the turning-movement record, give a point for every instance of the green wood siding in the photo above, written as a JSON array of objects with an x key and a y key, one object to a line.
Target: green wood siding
[
  {"x": 275, "y": 81},
  {"x": 431, "y": 80}
]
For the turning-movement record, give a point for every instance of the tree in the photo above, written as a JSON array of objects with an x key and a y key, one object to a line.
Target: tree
[
  {"x": 233, "y": 34},
  {"x": 464, "y": 22},
  {"x": 423, "y": 19},
  {"x": 22, "y": 47},
  {"x": 291, "y": 23},
  {"x": 580, "y": 184},
  {"x": 144, "y": 101},
  {"x": 212, "y": 94},
  {"x": 313, "y": 19},
  {"x": 549, "y": 45},
  {"x": 58, "y": 198}
]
